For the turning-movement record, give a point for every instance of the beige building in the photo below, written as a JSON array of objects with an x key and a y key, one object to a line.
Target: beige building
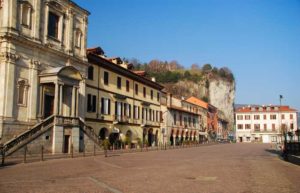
[
  {"x": 121, "y": 105},
  {"x": 182, "y": 120}
]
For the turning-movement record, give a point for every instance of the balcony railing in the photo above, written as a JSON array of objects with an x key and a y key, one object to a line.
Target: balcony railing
[{"x": 121, "y": 118}]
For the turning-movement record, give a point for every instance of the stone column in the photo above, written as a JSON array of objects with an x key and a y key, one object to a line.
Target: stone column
[
  {"x": 77, "y": 102},
  {"x": 41, "y": 102},
  {"x": 56, "y": 99},
  {"x": 174, "y": 140},
  {"x": 10, "y": 86},
  {"x": 73, "y": 106},
  {"x": 61, "y": 99},
  {"x": 46, "y": 15},
  {"x": 33, "y": 91}
]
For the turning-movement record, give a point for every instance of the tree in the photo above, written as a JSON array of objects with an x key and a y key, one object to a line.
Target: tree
[{"x": 207, "y": 68}]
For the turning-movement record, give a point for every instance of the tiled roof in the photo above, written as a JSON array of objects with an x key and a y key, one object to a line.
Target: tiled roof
[
  {"x": 198, "y": 102},
  {"x": 265, "y": 109}
]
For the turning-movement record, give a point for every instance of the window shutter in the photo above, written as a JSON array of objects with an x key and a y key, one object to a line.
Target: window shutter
[
  {"x": 102, "y": 105},
  {"x": 129, "y": 111},
  {"x": 109, "y": 106},
  {"x": 94, "y": 103},
  {"x": 116, "y": 108},
  {"x": 89, "y": 103}
]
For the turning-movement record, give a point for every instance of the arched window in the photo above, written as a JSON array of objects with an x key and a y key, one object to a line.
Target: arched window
[
  {"x": 22, "y": 92},
  {"x": 91, "y": 73}
]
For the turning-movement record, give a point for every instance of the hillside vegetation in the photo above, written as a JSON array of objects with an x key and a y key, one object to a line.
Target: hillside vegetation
[{"x": 173, "y": 72}]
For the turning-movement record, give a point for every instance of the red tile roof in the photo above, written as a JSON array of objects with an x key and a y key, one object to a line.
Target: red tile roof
[
  {"x": 198, "y": 102},
  {"x": 265, "y": 109}
]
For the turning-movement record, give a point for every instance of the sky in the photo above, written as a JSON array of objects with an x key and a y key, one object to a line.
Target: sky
[{"x": 259, "y": 40}]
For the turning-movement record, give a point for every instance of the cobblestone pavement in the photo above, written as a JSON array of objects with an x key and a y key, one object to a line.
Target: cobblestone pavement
[{"x": 227, "y": 168}]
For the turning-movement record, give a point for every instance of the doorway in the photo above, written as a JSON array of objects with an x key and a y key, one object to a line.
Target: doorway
[
  {"x": 48, "y": 105},
  {"x": 241, "y": 139},
  {"x": 66, "y": 143}
]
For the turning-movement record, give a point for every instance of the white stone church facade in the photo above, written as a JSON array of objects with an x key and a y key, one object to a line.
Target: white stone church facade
[{"x": 42, "y": 71}]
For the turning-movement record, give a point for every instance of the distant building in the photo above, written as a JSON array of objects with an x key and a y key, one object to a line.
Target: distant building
[{"x": 264, "y": 123}]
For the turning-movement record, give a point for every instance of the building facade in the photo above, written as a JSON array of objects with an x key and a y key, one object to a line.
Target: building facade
[
  {"x": 264, "y": 123},
  {"x": 43, "y": 66},
  {"x": 182, "y": 120},
  {"x": 122, "y": 106}
]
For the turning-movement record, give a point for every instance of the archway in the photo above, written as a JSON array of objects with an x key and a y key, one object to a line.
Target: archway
[
  {"x": 114, "y": 139},
  {"x": 150, "y": 137},
  {"x": 177, "y": 137},
  {"x": 128, "y": 138},
  {"x": 171, "y": 137},
  {"x": 103, "y": 133}
]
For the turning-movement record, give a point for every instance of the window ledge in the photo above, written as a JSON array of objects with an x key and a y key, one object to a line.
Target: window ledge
[{"x": 53, "y": 39}]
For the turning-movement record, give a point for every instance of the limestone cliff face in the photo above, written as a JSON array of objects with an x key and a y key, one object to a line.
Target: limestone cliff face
[
  {"x": 219, "y": 92},
  {"x": 222, "y": 96}
]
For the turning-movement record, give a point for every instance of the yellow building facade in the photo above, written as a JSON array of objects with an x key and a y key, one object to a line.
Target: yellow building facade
[{"x": 121, "y": 105}]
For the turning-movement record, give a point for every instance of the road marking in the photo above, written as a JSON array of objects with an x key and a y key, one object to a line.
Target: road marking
[{"x": 103, "y": 185}]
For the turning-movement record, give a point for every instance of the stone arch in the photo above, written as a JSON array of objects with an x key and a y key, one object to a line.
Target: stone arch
[
  {"x": 103, "y": 133},
  {"x": 150, "y": 137},
  {"x": 128, "y": 136}
]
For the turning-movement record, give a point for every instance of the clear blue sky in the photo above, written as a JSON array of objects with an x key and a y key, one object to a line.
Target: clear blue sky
[{"x": 259, "y": 40}]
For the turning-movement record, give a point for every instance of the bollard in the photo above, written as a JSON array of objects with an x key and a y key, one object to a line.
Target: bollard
[
  {"x": 3, "y": 158},
  {"x": 94, "y": 149},
  {"x": 83, "y": 150},
  {"x": 25, "y": 153},
  {"x": 72, "y": 153},
  {"x": 42, "y": 153}
]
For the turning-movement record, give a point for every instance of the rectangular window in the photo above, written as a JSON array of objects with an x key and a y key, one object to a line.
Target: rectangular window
[
  {"x": 194, "y": 122},
  {"x": 190, "y": 121},
  {"x": 127, "y": 85},
  {"x": 91, "y": 103},
  {"x": 291, "y": 116},
  {"x": 91, "y": 73},
  {"x": 256, "y": 117},
  {"x": 53, "y": 21},
  {"x": 256, "y": 127},
  {"x": 240, "y": 117},
  {"x": 265, "y": 117},
  {"x": 136, "y": 87},
  {"x": 247, "y": 117},
  {"x": 105, "y": 106},
  {"x": 272, "y": 117},
  {"x": 273, "y": 127},
  {"x": 265, "y": 127},
  {"x": 158, "y": 97},
  {"x": 144, "y": 92},
  {"x": 151, "y": 92},
  {"x": 247, "y": 126},
  {"x": 119, "y": 82},
  {"x": 106, "y": 78},
  {"x": 292, "y": 126},
  {"x": 240, "y": 126},
  {"x": 282, "y": 116}
]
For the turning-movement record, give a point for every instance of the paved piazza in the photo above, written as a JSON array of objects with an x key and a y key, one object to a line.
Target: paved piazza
[{"x": 217, "y": 168}]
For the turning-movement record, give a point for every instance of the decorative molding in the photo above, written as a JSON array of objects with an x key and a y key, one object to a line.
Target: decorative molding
[{"x": 10, "y": 56}]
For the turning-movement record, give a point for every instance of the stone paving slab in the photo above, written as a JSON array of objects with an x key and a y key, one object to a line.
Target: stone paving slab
[{"x": 224, "y": 168}]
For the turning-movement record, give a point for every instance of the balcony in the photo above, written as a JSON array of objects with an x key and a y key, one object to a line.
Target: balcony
[
  {"x": 121, "y": 119},
  {"x": 150, "y": 123}
]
